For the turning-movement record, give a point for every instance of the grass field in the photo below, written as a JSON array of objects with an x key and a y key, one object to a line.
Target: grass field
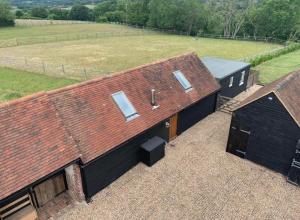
[
  {"x": 61, "y": 30},
  {"x": 280, "y": 66},
  {"x": 114, "y": 53},
  {"x": 106, "y": 53},
  {"x": 15, "y": 83}
]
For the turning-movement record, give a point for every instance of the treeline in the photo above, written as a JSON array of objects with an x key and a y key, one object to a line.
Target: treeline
[{"x": 229, "y": 18}]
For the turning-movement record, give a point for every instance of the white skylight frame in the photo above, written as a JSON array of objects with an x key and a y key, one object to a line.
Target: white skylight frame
[
  {"x": 186, "y": 85},
  {"x": 125, "y": 105}
]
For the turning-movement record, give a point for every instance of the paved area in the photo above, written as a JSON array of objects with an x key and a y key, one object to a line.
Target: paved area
[{"x": 196, "y": 180}]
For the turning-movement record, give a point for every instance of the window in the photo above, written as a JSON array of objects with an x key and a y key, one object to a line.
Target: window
[
  {"x": 125, "y": 105},
  {"x": 231, "y": 82},
  {"x": 182, "y": 80},
  {"x": 242, "y": 80}
]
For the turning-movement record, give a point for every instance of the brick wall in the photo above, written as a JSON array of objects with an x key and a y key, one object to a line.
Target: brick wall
[{"x": 75, "y": 183}]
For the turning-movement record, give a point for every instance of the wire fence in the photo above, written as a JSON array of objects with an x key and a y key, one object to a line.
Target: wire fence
[
  {"x": 56, "y": 70},
  {"x": 68, "y": 37},
  {"x": 39, "y": 22}
]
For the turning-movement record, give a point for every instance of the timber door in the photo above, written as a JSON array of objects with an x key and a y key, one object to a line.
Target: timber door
[
  {"x": 48, "y": 190},
  {"x": 238, "y": 141},
  {"x": 173, "y": 127}
]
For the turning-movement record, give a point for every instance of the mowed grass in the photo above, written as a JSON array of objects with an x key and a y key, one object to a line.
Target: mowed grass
[
  {"x": 114, "y": 53},
  {"x": 278, "y": 67},
  {"x": 60, "y": 30},
  {"x": 15, "y": 83}
]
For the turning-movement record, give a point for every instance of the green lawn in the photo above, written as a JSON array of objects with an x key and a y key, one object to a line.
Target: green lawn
[
  {"x": 15, "y": 83},
  {"x": 280, "y": 66},
  {"x": 60, "y": 30},
  {"x": 105, "y": 54},
  {"x": 114, "y": 53}
]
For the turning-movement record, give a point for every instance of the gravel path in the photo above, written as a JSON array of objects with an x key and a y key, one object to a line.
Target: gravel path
[{"x": 196, "y": 180}]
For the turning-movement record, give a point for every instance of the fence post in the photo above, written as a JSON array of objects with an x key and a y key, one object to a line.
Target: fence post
[
  {"x": 25, "y": 59},
  {"x": 63, "y": 68},
  {"x": 85, "y": 74},
  {"x": 44, "y": 67}
]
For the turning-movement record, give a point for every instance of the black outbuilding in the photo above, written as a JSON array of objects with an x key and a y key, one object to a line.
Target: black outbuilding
[
  {"x": 232, "y": 75},
  {"x": 265, "y": 128}
]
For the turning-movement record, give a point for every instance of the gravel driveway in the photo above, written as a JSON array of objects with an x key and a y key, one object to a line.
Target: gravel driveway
[{"x": 196, "y": 180}]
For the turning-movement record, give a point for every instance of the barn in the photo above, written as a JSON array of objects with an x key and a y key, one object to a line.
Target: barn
[
  {"x": 111, "y": 118},
  {"x": 265, "y": 128},
  {"x": 232, "y": 75},
  {"x": 79, "y": 139}
]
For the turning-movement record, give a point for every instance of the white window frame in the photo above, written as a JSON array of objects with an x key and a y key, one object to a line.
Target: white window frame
[
  {"x": 242, "y": 80},
  {"x": 186, "y": 85},
  {"x": 231, "y": 81},
  {"x": 124, "y": 98}
]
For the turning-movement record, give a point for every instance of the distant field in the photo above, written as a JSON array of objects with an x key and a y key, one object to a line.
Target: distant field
[
  {"x": 114, "y": 48},
  {"x": 114, "y": 53},
  {"x": 61, "y": 30},
  {"x": 280, "y": 66},
  {"x": 15, "y": 84}
]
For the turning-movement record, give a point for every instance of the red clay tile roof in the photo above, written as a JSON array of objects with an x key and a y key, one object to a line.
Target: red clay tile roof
[
  {"x": 44, "y": 132},
  {"x": 287, "y": 89},
  {"x": 96, "y": 123},
  {"x": 33, "y": 143}
]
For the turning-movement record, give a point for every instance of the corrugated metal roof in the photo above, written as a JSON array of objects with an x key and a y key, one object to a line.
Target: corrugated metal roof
[{"x": 221, "y": 68}]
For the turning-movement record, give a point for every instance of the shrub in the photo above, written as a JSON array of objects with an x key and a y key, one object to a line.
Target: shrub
[
  {"x": 101, "y": 19},
  {"x": 265, "y": 57},
  {"x": 6, "y": 16}
]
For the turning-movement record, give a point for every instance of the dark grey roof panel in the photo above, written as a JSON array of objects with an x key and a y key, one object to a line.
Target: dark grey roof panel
[{"x": 221, "y": 68}]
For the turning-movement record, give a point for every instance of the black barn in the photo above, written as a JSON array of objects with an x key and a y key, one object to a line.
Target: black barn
[
  {"x": 265, "y": 127},
  {"x": 232, "y": 75}
]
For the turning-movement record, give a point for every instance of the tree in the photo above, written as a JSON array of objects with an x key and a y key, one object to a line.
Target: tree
[
  {"x": 105, "y": 6},
  {"x": 59, "y": 14},
  {"x": 180, "y": 15},
  {"x": 275, "y": 18},
  {"x": 79, "y": 12},
  {"x": 39, "y": 12},
  {"x": 6, "y": 16},
  {"x": 19, "y": 13}
]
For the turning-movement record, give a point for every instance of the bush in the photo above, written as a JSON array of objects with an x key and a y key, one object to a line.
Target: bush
[
  {"x": 101, "y": 19},
  {"x": 19, "y": 13},
  {"x": 39, "y": 12},
  {"x": 6, "y": 16},
  {"x": 80, "y": 12},
  {"x": 263, "y": 58},
  {"x": 115, "y": 16}
]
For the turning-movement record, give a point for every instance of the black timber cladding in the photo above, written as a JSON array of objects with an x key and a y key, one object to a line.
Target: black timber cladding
[
  {"x": 104, "y": 170},
  {"x": 273, "y": 133},
  {"x": 193, "y": 114}
]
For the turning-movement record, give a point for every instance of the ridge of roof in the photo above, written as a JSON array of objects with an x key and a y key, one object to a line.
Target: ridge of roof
[{"x": 22, "y": 99}]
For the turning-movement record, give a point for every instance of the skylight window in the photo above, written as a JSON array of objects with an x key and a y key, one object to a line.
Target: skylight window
[
  {"x": 182, "y": 80},
  {"x": 125, "y": 105}
]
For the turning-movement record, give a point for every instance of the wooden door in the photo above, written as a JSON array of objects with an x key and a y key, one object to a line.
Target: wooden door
[
  {"x": 47, "y": 190},
  {"x": 173, "y": 127},
  {"x": 238, "y": 141}
]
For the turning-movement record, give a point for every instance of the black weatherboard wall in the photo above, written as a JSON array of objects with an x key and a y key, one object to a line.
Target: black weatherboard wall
[
  {"x": 104, "y": 170},
  {"x": 190, "y": 116},
  {"x": 236, "y": 87},
  {"x": 273, "y": 133}
]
